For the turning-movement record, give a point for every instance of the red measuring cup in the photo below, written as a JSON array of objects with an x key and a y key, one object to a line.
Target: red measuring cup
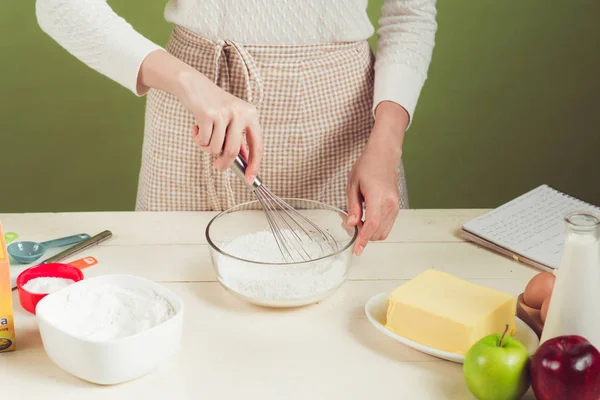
[{"x": 29, "y": 300}]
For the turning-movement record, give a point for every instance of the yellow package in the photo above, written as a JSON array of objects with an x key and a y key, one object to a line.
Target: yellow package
[{"x": 7, "y": 327}]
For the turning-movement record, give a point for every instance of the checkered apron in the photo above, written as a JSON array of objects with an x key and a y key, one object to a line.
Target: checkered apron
[{"x": 314, "y": 103}]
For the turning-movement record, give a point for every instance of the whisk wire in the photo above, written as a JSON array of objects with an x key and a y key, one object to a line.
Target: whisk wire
[
  {"x": 278, "y": 228},
  {"x": 327, "y": 237},
  {"x": 291, "y": 229},
  {"x": 288, "y": 225},
  {"x": 273, "y": 224}
]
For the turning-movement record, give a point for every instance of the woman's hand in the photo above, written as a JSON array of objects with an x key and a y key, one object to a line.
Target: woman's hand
[
  {"x": 222, "y": 119},
  {"x": 374, "y": 177}
]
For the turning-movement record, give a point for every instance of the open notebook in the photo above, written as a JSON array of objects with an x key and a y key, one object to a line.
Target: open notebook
[{"x": 529, "y": 228}]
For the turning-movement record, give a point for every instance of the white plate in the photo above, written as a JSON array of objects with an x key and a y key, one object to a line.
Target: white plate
[{"x": 376, "y": 310}]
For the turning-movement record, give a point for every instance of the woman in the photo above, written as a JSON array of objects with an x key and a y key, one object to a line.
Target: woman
[{"x": 290, "y": 84}]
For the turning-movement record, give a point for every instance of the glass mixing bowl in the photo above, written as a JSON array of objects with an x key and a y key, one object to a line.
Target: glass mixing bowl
[{"x": 245, "y": 267}]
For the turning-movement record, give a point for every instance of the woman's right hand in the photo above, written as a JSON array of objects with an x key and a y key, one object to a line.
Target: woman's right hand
[{"x": 222, "y": 120}]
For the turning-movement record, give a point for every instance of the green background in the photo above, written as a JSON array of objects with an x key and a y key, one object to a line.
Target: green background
[{"x": 512, "y": 101}]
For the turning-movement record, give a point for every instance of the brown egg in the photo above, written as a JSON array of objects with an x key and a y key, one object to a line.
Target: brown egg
[
  {"x": 544, "y": 310},
  {"x": 538, "y": 289}
]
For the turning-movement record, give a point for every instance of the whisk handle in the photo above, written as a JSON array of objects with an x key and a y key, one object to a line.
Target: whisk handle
[{"x": 239, "y": 167}]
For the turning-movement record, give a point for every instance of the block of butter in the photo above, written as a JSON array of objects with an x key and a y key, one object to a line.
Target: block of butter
[{"x": 446, "y": 313}]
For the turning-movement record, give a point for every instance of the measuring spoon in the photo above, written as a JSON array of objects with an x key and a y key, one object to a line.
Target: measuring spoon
[
  {"x": 28, "y": 252},
  {"x": 79, "y": 247},
  {"x": 93, "y": 241},
  {"x": 10, "y": 237}
]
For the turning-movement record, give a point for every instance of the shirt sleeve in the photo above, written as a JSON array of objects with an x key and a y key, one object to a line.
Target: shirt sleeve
[
  {"x": 91, "y": 31},
  {"x": 406, "y": 40}
]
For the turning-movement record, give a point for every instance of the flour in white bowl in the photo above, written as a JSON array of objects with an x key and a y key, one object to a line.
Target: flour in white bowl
[
  {"x": 277, "y": 282},
  {"x": 44, "y": 285},
  {"x": 107, "y": 312}
]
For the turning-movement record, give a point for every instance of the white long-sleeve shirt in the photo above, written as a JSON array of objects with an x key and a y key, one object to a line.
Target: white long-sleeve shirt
[{"x": 96, "y": 35}]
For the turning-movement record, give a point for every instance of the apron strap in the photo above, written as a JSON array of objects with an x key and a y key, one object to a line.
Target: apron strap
[
  {"x": 253, "y": 81},
  {"x": 254, "y": 95}
]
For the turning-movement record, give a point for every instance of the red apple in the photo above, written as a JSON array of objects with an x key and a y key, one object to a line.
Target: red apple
[{"x": 566, "y": 367}]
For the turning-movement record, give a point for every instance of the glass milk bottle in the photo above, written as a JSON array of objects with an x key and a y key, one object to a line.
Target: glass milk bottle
[{"x": 573, "y": 308}]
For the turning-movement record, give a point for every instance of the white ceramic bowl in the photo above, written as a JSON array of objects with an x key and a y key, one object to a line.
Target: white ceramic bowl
[
  {"x": 261, "y": 282},
  {"x": 115, "y": 361}
]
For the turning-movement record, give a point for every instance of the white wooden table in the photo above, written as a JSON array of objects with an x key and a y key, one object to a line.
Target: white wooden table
[{"x": 232, "y": 350}]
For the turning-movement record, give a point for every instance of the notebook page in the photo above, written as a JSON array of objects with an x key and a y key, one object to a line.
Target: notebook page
[{"x": 531, "y": 225}]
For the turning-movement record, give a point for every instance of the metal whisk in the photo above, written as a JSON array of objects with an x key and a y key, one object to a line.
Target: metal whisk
[{"x": 293, "y": 231}]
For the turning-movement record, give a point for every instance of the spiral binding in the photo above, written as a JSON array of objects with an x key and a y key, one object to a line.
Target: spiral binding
[{"x": 576, "y": 199}]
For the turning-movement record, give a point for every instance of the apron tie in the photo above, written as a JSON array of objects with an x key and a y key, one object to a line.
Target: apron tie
[
  {"x": 253, "y": 95},
  {"x": 252, "y": 79}
]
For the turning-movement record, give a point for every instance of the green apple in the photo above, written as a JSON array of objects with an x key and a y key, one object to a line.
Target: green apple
[{"x": 497, "y": 368}]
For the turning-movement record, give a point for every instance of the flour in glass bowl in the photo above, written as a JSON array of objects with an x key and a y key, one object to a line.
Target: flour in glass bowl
[
  {"x": 277, "y": 282},
  {"x": 108, "y": 311}
]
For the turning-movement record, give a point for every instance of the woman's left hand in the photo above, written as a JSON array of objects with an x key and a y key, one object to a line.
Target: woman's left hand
[{"x": 374, "y": 177}]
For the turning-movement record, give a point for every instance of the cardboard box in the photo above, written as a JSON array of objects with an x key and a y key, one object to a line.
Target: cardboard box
[{"x": 7, "y": 326}]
